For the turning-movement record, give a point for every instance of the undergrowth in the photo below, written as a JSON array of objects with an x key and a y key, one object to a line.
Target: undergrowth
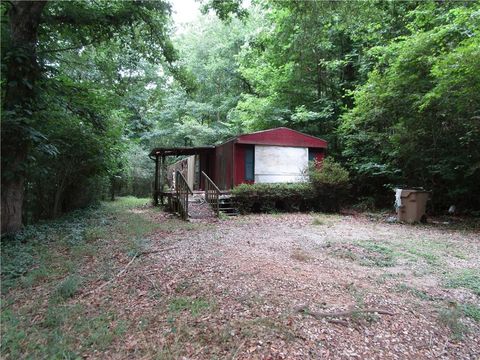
[
  {"x": 452, "y": 318},
  {"x": 44, "y": 268}
]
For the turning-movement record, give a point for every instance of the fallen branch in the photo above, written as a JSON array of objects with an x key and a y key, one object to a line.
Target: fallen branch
[
  {"x": 156, "y": 251},
  {"x": 125, "y": 269},
  {"x": 112, "y": 279},
  {"x": 338, "y": 322},
  {"x": 348, "y": 313}
]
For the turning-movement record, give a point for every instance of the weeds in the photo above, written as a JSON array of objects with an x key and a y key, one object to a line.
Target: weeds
[
  {"x": 359, "y": 316},
  {"x": 382, "y": 279},
  {"x": 367, "y": 253},
  {"x": 100, "y": 332},
  {"x": 44, "y": 253},
  {"x": 377, "y": 254},
  {"x": 194, "y": 306},
  {"x": 67, "y": 288},
  {"x": 467, "y": 278},
  {"x": 404, "y": 288},
  {"x": 452, "y": 318},
  {"x": 347, "y": 254},
  {"x": 429, "y": 257},
  {"x": 471, "y": 311}
]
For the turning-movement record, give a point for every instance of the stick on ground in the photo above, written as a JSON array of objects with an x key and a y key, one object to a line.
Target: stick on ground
[
  {"x": 347, "y": 313},
  {"x": 125, "y": 269}
]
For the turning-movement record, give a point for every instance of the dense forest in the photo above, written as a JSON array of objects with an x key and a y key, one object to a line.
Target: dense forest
[{"x": 89, "y": 87}]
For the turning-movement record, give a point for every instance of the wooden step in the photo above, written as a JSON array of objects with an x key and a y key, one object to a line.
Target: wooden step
[{"x": 230, "y": 213}]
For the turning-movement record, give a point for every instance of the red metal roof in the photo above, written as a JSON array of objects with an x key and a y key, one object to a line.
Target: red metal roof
[
  {"x": 281, "y": 136},
  {"x": 176, "y": 151}
]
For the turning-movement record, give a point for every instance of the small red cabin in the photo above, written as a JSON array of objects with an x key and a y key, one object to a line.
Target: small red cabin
[{"x": 269, "y": 156}]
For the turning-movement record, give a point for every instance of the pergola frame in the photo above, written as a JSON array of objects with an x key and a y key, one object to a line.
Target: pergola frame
[{"x": 159, "y": 155}]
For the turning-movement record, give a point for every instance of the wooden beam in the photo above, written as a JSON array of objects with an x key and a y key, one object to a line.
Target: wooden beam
[
  {"x": 155, "y": 191},
  {"x": 163, "y": 177}
]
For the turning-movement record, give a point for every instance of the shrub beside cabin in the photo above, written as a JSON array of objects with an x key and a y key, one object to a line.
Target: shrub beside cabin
[{"x": 278, "y": 155}]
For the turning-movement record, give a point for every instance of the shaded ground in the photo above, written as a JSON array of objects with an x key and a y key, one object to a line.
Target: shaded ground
[{"x": 232, "y": 289}]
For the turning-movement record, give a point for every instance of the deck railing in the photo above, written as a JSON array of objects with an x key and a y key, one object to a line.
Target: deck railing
[
  {"x": 182, "y": 191},
  {"x": 212, "y": 194}
]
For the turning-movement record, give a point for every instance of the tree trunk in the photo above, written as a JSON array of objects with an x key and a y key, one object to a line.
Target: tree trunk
[
  {"x": 12, "y": 200},
  {"x": 22, "y": 72},
  {"x": 57, "y": 203},
  {"x": 112, "y": 188}
]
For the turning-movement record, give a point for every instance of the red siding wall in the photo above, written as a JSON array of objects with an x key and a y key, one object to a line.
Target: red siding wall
[
  {"x": 319, "y": 154},
  {"x": 319, "y": 157}
]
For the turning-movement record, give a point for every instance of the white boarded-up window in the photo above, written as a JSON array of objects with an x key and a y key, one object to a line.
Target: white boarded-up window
[{"x": 280, "y": 164}]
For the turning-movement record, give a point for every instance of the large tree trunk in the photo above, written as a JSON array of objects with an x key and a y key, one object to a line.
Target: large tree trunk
[
  {"x": 18, "y": 106},
  {"x": 12, "y": 199}
]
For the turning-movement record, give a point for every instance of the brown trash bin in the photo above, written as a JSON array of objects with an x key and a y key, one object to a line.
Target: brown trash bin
[{"x": 413, "y": 205}]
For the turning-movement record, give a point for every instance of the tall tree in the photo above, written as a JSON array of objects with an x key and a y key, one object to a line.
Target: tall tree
[
  {"x": 18, "y": 106},
  {"x": 307, "y": 56},
  {"x": 38, "y": 40},
  {"x": 416, "y": 119}
]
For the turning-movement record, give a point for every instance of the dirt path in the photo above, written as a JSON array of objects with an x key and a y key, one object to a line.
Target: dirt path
[{"x": 229, "y": 289}]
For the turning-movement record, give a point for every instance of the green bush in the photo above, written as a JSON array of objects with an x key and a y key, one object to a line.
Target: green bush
[
  {"x": 330, "y": 184},
  {"x": 273, "y": 197},
  {"x": 329, "y": 172},
  {"x": 327, "y": 190}
]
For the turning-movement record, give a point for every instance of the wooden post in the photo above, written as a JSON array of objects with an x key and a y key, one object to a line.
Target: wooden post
[
  {"x": 163, "y": 177},
  {"x": 155, "y": 191}
]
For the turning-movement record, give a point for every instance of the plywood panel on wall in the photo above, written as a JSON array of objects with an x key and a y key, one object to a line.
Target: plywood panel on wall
[
  {"x": 191, "y": 171},
  {"x": 276, "y": 164}
]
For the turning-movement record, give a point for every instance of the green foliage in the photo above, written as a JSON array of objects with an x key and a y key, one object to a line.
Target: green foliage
[
  {"x": 326, "y": 191},
  {"x": 472, "y": 311},
  {"x": 305, "y": 58},
  {"x": 392, "y": 86},
  {"x": 19, "y": 264},
  {"x": 273, "y": 197},
  {"x": 69, "y": 129},
  {"x": 328, "y": 172},
  {"x": 209, "y": 50},
  {"x": 25, "y": 256},
  {"x": 225, "y": 9},
  {"x": 43, "y": 259},
  {"x": 136, "y": 175},
  {"x": 330, "y": 184},
  {"x": 415, "y": 120},
  {"x": 467, "y": 278}
]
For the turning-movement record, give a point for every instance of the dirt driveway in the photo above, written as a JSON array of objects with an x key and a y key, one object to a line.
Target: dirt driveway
[{"x": 263, "y": 286}]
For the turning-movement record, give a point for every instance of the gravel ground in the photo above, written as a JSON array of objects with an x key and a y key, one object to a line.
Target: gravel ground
[{"x": 233, "y": 289}]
